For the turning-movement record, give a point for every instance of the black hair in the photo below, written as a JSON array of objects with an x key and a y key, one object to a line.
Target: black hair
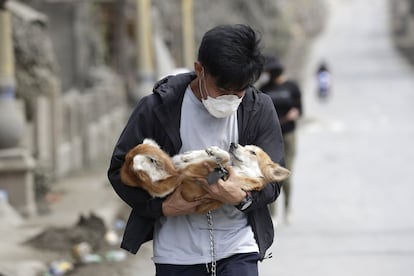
[
  {"x": 323, "y": 67},
  {"x": 232, "y": 55},
  {"x": 273, "y": 66}
]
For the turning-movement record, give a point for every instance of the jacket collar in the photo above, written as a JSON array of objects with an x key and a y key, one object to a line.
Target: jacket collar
[
  {"x": 247, "y": 106},
  {"x": 171, "y": 91}
]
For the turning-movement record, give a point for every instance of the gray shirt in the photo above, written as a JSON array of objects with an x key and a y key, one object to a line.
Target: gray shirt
[{"x": 186, "y": 239}]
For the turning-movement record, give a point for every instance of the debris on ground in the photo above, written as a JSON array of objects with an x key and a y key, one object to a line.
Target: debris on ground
[
  {"x": 89, "y": 229},
  {"x": 86, "y": 243}
]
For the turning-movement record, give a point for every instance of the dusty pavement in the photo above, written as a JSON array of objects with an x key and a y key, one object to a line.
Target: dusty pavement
[
  {"x": 353, "y": 182},
  {"x": 80, "y": 195}
]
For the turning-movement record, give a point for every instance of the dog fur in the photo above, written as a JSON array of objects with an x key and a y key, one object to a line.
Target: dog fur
[
  {"x": 150, "y": 168},
  {"x": 251, "y": 163},
  {"x": 192, "y": 166},
  {"x": 255, "y": 166}
]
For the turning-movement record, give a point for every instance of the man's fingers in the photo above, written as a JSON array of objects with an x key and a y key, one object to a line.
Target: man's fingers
[
  {"x": 229, "y": 169},
  {"x": 201, "y": 181},
  {"x": 207, "y": 165}
]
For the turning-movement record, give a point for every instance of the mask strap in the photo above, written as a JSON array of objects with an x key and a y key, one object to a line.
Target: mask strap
[
  {"x": 205, "y": 86},
  {"x": 199, "y": 88}
]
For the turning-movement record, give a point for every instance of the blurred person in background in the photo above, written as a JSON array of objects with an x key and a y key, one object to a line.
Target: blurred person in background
[
  {"x": 287, "y": 100},
  {"x": 324, "y": 81},
  {"x": 215, "y": 105}
]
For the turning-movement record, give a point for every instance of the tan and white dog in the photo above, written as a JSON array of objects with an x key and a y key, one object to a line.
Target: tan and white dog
[{"x": 150, "y": 168}]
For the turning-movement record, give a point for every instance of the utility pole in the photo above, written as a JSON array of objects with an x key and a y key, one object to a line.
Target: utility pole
[
  {"x": 120, "y": 38},
  {"x": 11, "y": 118},
  {"x": 188, "y": 33},
  {"x": 16, "y": 164},
  {"x": 144, "y": 42}
]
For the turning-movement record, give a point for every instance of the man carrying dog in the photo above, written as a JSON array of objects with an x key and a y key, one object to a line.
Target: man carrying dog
[{"x": 215, "y": 105}]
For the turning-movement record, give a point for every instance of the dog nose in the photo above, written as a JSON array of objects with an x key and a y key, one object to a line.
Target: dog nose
[{"x": 233, "y": 146}]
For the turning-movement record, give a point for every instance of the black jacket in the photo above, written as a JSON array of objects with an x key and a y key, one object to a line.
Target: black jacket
[
  {"x": 157, "y": 116},
  {"x": 284, "y": 97}
]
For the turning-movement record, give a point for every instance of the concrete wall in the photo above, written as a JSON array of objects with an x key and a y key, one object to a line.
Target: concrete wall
[
  {"x": 90, "y": 124},
  {"x": 72, "y": 99}
]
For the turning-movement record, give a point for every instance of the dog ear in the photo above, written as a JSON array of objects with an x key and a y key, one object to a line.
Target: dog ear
[
  {"x": 276, "y": 172},
  {"x": 151, "y": 142}
]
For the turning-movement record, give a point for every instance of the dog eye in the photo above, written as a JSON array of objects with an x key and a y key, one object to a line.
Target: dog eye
[
  {"x": 253, "y": 152},
  {"x": 152, "y": 160}
]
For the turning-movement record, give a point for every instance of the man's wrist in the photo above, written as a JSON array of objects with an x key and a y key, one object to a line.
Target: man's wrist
[{"x": 245, "y": 202}]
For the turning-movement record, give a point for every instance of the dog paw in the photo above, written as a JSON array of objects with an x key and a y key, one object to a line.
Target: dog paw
[
  {"x": 219, "y": 154},
  {"x": 184, "y": 158}
]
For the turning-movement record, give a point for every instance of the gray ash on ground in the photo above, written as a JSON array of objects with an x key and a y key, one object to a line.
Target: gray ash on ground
[{"x": 90, "y": 229}]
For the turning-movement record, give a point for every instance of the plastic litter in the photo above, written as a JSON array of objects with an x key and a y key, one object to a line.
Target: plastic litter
[
  {"x": 112, "y": 237},
  {"x": 58, "y": 268},
  {"x": 115, "y": 255},
  {"x": 80, "y": 250},
  {"x": 119, "y": 224},
  {"x": 91, "y": 258}
]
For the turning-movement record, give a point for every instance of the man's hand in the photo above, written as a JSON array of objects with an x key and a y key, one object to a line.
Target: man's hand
[
  {"x": 175, "y": 204},
  {"x": 228, "y": 191},
  {"x": 293, "y": 114}
]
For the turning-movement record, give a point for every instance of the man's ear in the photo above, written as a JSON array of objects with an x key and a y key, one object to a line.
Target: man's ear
[{"x": 198, "y": 68}]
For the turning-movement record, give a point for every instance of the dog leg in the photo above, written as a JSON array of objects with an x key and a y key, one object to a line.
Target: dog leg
[{"x": 252, "y": 184}]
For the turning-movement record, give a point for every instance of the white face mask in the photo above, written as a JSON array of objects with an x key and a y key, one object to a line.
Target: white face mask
[{"x": 222, "y": 106}]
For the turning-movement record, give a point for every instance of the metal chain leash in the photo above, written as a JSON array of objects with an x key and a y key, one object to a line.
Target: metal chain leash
[
  {"x": 211, "y": 228},
  {"x": 212, "y": 243}
]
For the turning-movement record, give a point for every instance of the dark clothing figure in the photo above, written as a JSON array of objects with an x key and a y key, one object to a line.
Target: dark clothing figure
[
  {"x": 285, "y": 96},
  {"x": 287, "y": 100},
  {"x": 324, "y": 81}
]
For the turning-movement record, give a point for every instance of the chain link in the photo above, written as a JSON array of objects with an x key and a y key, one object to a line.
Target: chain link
[
  {"x": 211, "y": 230},
  {"x": 212, "y": 243}
]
